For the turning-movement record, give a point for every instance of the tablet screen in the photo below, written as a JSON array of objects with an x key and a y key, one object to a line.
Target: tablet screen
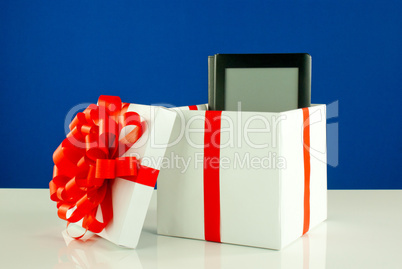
[{"x": 261, "y": 89}]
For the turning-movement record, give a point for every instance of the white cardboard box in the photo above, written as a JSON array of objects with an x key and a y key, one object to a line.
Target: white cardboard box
[{"x": 264, "y": 160}]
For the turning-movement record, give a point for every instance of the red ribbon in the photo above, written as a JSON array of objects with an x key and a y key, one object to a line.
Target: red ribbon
[
  {"x": 306, "y": 156},
  {"x": 212, "y": 141},
  {"x": 89, "y": 156}
]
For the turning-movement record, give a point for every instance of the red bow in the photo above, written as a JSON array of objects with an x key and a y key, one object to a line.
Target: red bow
[{"x": 88, "y": 156}]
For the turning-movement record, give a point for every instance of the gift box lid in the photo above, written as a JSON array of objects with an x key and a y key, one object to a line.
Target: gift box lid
[
  {"x": 131, "y": 199},
  {"x": 106, "y": 168}
]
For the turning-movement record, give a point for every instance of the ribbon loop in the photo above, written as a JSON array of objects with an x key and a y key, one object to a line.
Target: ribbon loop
[
  {"x": 126, "y": 166},
  {"x": 105, "y": 168}
]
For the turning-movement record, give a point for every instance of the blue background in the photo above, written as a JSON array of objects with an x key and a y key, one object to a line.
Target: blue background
[{"x": 56, "y": 54}]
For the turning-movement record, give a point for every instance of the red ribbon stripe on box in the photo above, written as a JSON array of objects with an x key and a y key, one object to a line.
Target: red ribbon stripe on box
[
  {"x": 212, "y": 141},
  {"x": 306, "y": 155},
  {"x": 212, "y": 132},
  {"x": 90, "y": 156}
]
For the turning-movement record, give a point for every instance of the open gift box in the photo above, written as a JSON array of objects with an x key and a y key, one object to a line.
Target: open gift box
[{"x": 248, "y": 178}]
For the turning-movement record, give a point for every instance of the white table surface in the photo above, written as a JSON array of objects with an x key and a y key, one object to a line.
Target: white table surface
[{"x": 363, "y": 230}]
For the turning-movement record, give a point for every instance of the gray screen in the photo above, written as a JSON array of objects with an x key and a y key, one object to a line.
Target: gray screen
[{"x": 261, "y": 89}]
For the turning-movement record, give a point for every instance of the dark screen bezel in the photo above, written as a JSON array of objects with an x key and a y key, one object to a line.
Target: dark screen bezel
[{"x": 302, "y": 61}]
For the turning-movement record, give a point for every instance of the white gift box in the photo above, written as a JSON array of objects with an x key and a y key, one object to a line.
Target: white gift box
[
  {"x": 130, "y": 200},
  {"x": 248, "y": 178}
]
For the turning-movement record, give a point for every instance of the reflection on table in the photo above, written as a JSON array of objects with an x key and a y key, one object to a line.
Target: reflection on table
[{"x": 166, "y": 252}]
